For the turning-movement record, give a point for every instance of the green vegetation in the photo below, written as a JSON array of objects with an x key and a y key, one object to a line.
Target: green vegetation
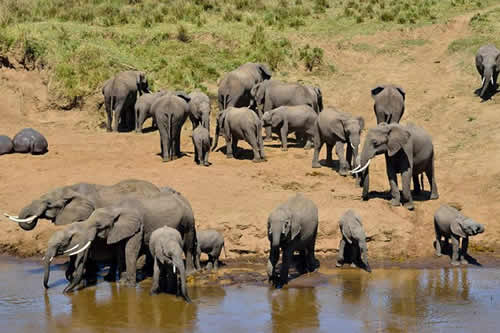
[{"x": 187, "y": 44}]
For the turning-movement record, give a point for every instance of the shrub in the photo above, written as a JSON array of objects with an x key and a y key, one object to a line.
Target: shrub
[
  {"x": 312, "y": 57},
  {"x": 182, "y": 34}
]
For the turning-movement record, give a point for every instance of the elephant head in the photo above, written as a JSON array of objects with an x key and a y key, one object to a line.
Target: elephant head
[
  {"x": 488, "y": 65},
  {"x": 205, "y": 114},
  {"x": 353, "y": 233},
  {"x": 465, "y": 227},
  {"x": 271, "y": 118},
  {"x": 348, "y": 129},
  {"x": 264, "y": 71},
  {"x": 61, "y": 206},
  {"x": 172, "y": 257},
  {"x": 142, "y": 83},
  {"x": 220, "y": 119},
  {"x": 258, "y": 94}
]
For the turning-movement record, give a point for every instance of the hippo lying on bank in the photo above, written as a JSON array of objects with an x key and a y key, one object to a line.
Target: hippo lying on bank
[{"x": 31, "y": 141}]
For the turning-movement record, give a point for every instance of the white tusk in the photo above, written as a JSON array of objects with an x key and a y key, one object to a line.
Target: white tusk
[
  {"x": 352, "y": 145},
  {"x": 482, "y": 81},
  {"x": 18, "y": 220},
  {"x": 51, "y": 258},
  {"x": 492, "y": 81},
  {"x": 81, "y": 250},
  {"x": 43, "y": 258},
  {"x": 355, "y": 169},
  {"x": 74, "y": 247},
  {"x": 174, "y": 269},
  {"x": 363, "y": 168}
]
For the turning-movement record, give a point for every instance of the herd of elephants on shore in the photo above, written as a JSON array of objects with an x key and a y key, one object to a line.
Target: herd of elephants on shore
[{"x": 115, "y": 224}]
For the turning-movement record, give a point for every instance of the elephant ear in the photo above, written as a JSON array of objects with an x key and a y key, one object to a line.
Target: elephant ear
[
  {"x": 126, "y": 225},
  {"x": 265, "y": 72},
  {"x": 339, "y": 129},
  {"x": 377, "y": 90},
  {"x": 276, "y": 118},
  {"x": 456, "y": 227},
  {"x": 498, "y": 62},
  {"x": 401, "y": 91},
  {"x": 361, "y": 122},
  {"x": 183, "y": 95},
  {"x": 397, "y": 140},
  {"x": 319, "y": 96},
  {"x": 479, "y": 61},
  {"x": 77, "y": 208},
  {"x": 346, "y": 229}
]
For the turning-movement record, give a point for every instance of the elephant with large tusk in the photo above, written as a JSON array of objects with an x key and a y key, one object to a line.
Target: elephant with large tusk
[
  {"x": 488, "y": 66},
  {"x": 408, "y": 150}
]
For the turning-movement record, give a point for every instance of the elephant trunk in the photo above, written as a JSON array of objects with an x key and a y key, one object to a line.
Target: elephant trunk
[
  {"x": 274, "y": 253},
  {"x": 80, "y": 261},
  {"x": 205, "y": 120},
  {"x": 49, "y": 255},
  {"x": 37, "y": 208},
  {"x": 216, "y": 141},
  {"x": 364, "y": 255},
  {"x": 487, "y": 79},
  {"x": 182, "y": 274}
]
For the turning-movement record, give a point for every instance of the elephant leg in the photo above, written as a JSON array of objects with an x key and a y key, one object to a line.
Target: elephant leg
[
  {"x": 234, "y": 145},
  {"x": 455, "y": 251},
  {"x": 111, "y": 276},
  {"x": 253, "y": 141},
  {"x": 431, "y": 177},
  {"x": 463, "y": 252},
  {"x": 318, "y": 143},
  {"x": 355, "y": 255},
  {"x": 311, "y": 263},
  {"x": 274, "y": 256},
  {"x": 329, "y": 149},
  {"x": 132, "y": 249},
  {"x": 416, "y": 185},
  {"x": 198, "y": 153},
  {"x": 141, "y": 118},
  {"x": 393, "y": 181},
  {"x": 229, "y": 145},
  {"x": 178, "y": 152},
  {"x": 438, "y": 240},
  {"x": 407, "y": 197},
  {"x": 284, "y": 137},
  {"x": 117, "y": 116},
  {"x": 189, "y": 250},
  {"x": 343, "y": 166},
  {"x": 340, "y": 255},
  {"x": 109, "y": 114},
  {"x": 155, "y": 288},
  {"x": 205, "y": 157},
  {"x": 210, "y": 262},
  {"x": 285, "y": 264},
  {"x": 90, "y": 274},
  {"x": 269, "y": 134},
  {"x": 71, "y": 268}
]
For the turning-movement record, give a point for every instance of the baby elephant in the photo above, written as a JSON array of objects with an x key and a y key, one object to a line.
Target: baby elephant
[
  {"x": 354, "y": 238},
  {"x": 6, "y": 145},
  {"x": 30, "y": 141},
  {"x": 169, "y": 272},
  {"x": 450, "y": 223},
  {"x": 288, "y": 119},
  {"x": 210, "y": 242},
  {"x": 201, "y": 142}
]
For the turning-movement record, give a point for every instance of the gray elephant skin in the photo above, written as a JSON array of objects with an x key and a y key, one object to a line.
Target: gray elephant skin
[
  {"x": 120, "y": 95},
  {"x": 143, "y": 108},
  {"x": 235, "y": 86},
  {"x": 201, "y": 143},
  {"x": 210, "y": 242},
  {"x": 353, "y": 240},
  {"x": 166, "y": 248},
  {"x": 240, "y": 124},
  {"x": 6, "y": 145},
  {"x": 389, "y": 104},
  {"x": 171, "y": 112},
  {"x": 336, "y": 128},
  {"x": 31, "y": 141},
  {"x": 488, "y": 66},
  {"x": 199, "y": 105},
  {"x": 74, "y": 203},
  {"x": 130, "y": 223},
  {"x": 408, "y": 150},
  {"x": 450, "y": 223},
  {"x": 291, "y": 119},
  {"x": 292, "y": 226}
]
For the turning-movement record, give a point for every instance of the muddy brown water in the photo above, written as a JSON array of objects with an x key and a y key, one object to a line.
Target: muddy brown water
[{"x": 348, "y": 300}]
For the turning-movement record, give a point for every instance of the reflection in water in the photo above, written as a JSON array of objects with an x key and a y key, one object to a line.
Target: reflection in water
[{"x": 384, "y": 301}]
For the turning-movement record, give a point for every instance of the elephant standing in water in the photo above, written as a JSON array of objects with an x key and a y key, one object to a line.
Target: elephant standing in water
[
  {"x": 120, "y": 95},
  {"x": 292, "y": 226},
  {"x": 389, "y": 104},
  {"x": 408, "y": 150},
  {"x": 354, "y": 238},
  {"x": 143, "y": 108},
  {"x": 210, "y": 242},
  {"x": 166, "y": 249},
  {"x": 234, "y": 88},
  {"x": 450, "y": 223},
  {"x": 488, "y": 66}
]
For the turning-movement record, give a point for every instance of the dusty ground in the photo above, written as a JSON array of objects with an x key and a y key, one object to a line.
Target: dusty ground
[{"x": 236, "y": 196}]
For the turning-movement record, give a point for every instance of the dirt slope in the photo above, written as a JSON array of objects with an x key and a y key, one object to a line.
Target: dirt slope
[{"x": 236, "y": 196}]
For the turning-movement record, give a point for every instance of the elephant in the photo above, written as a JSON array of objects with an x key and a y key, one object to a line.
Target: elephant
[
  {"x": 166, "y": 249},
  {"x": 273, "y": 94},
  {"x": 201, "y": 143},
  {"x": 6, "y": 145},
  {"x": 353, "y": 236},
  {"x": 292, "y": 226},
  {"x": 234, "y": 88},
  {"x": 450, "y": 223},
  {"x": 389, "y": 103},
  {"x": 336, "y": 128},
  {"x": 199, "y": 105},
  {"x": 75, "y": 203},
  {"x": 143, "y": 108},
  {"x": 288, "y": 119},
  {"x": 129, "y": 223},
  {"x": 31, "y": 141},
  {"x": 488, "y": 66},
  {"x": 210, "y": 242},
  {"x": 120, "y": 95},
  {"x": 240, "y": 124},
  {"x": 408, "y": 150},
  {"x": 170, "y": 112}
]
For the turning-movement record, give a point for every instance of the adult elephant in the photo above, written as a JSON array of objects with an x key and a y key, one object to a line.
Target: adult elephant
[
  {"x": 488, "y": 66},
  {"x": 199, "y": 106},
  {"x": 336, "y": 128},
  {"x": 408, "y": 150},
  {"x": 120, "y": 95},
  {"x": 389, "y": 104},
  {"x": 292, "y": 226},
  {"x": 143, "y": 108},
  {"x": 240, "y": 124},
  {"x": 129, "y": 224},
  {"x": 171, "y": 112},
  {"x": 74, "y": 203},
  {"x": 234, "y": 88}
]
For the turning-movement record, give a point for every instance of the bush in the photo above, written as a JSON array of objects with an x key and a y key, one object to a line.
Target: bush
[
  {"x": 312, "y": 57},
  {"x": 182, "y": 34}
]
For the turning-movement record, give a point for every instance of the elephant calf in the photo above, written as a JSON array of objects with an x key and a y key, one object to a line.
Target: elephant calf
[
  {"x": 201, "y": 143},
  {"x": 288, "y": 119},
  {"x": 210, "y": 242},
  {"x": 31, "y": 141},
  {"x": 143, "y": 108},
  {"x": 450, "y": 223},
  {"x": 6, "y": 145},
  {"x": 169, "y": 272},
  {"x": 353, "y": 239},
  {"x": 199, "y": 106}
]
